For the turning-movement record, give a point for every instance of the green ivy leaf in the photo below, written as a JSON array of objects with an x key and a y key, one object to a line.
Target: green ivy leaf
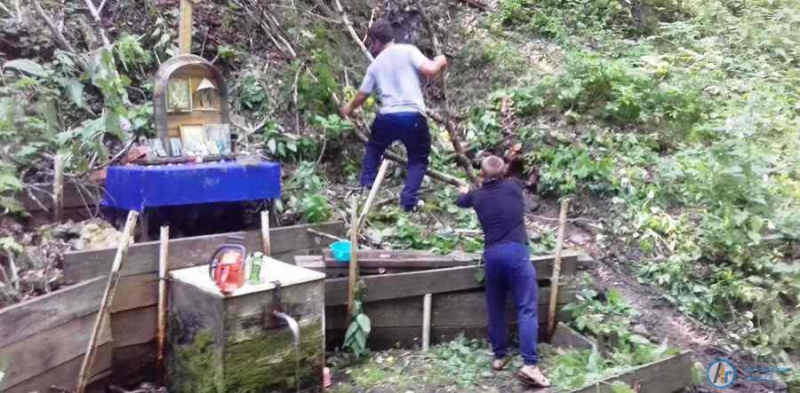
[
  {"x": 75, "y": 90},
  {"x": 364, "y": 323},
  {"x": 27, "y": 66}
]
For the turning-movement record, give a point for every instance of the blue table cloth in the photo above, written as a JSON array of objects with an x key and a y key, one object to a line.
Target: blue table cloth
[{"x": 138, "y": 187}]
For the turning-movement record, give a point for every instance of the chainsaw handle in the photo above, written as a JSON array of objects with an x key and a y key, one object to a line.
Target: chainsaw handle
[{"x": 223, "y": 276}]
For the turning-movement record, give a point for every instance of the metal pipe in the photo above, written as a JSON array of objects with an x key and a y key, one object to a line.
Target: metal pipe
[{"x": 293, "y": 326}]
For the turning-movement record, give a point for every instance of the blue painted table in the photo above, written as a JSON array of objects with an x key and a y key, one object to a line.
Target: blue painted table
[{"x": 134, "y": 187}]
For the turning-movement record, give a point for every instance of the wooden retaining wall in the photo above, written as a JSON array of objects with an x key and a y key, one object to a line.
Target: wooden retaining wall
[
  {"x": 394, "y": 303},
  {"x": 43, "y": 340},
  {"x": 133, "y": 318}
]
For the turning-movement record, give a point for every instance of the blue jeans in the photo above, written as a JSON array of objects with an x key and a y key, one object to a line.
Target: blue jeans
[
  {"x": 411, "y": 129},
  {"x": 508, "y": 267}
]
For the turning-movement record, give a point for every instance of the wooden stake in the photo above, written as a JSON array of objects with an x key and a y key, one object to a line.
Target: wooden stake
[
  {"x": 163, "y": 269},
  {"x": 562, "y": 223},
  {"x": 185, "y": 28},
  {"x": 58, "y": 189},
  {"x": 353, "y": 268},
  {"x": 265, "y": 233},
  {"x": 323, "y": 234},
  {"x": 108, "y": 299},
  {"x": 426, "y": 321},
  {"x": 376, "y": 185}
]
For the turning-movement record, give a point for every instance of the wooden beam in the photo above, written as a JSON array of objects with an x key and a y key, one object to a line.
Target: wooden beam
[
  {"x": 58, "y": 189},
  {"x": 406, "y": 259},
  {"x": 393, "y": 286},
  {"x": 28, "y": 318},
  {"x": 447, "y": 309},
  {"x": 192, "y": 251},
  {"x": 562, "y": 225},
  {"x": 108, "y": 299},
  {"x": 265, "y": 240},
  {"x": 185, "y": 28},
  {"x": 426, "y": 321},
  {"x": 163, "y": 268},
  {"x": 353, "y": 264},
  {"x": 567, "y": 338},
  {"x": 665, "y": 376}
]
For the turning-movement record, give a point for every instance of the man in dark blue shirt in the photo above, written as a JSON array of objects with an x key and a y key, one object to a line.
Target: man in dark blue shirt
[{"x": 500, "y": 205}]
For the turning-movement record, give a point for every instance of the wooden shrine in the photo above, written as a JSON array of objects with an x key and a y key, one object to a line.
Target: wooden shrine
[{"x": 191, "y": 106}]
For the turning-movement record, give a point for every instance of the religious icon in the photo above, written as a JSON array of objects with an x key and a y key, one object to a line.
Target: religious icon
[
  {"x": 194, "y": 141},
  {"x": 158, "y": 147},
  {"x": 206, "y": 96},
  {"x": 177, "y": 148},
  {"x": 179, "y": 96},
  {"x": 220, "y": 135}
]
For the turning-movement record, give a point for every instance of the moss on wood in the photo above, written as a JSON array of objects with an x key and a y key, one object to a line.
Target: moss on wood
[
  {"x": 193, "y": 366},
  {"x": 269, "y": 362}
]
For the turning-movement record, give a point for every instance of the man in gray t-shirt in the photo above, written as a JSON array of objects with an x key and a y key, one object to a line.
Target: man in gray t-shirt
[{"x": 396, "y": 72}]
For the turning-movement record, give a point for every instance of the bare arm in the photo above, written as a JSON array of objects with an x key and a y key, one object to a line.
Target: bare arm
[
  {"x": 432, "y": 67},
  {"x": 354, "y": 104}
]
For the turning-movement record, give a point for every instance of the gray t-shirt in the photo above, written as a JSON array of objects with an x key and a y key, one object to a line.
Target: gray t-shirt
[{"x": 395, "y": 72}]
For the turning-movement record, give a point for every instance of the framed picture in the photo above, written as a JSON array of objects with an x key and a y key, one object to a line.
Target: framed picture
[
  {"x": 179, "y": 95},
  {"x": 177, "y": 147},
  {"x": 194, "y": 141},
  {"x": 158, "y": 147},
  {"x": 219, "y": 135}
]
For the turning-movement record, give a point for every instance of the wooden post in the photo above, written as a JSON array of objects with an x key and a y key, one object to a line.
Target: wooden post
[
  {"x": 353, "y": 268},
  {"x": 376, "y": 185},
  {"x": 185, "y": 27},
  {"x": 108, "y": 299},
  {"x": 265, "y": 233},
  {"x": 562, "y": 223},
  {"x": 163, "y": 269},
  {"x": 58, "y": 189},
  {"x": 426, "y": 321}
]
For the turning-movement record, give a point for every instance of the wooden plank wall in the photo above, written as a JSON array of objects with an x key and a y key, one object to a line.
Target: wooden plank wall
[
  {"x": 133, "y": 318},
  {"x": 394, "y": 303},
  {"x": 669, "y": 375},
  {"x": 43, "y": 340}
]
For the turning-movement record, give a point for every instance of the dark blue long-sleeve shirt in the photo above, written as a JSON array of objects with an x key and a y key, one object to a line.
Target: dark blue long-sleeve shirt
[{"x": 500, "y": 205}]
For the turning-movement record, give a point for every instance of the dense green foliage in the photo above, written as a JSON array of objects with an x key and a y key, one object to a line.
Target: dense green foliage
[{"x": 691, "y": 127}]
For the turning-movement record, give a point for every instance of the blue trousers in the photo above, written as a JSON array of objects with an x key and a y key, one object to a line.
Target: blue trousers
[
  {"x": 411, "y": 129},
  {"x": 509, "y": 268}
]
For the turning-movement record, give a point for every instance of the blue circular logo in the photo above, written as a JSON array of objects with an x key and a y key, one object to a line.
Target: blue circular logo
[{"x": 720, "y": 373}]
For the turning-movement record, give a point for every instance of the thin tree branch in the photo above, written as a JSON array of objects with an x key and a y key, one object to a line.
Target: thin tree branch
[
  {"x": 100, "y": 29},
  {"x": 475, "y": 4},
  {"x": 454, "y": 137},
  {"x": 296, "y": 99},
  {"x": 352, "y": 31},
  {"x": 6, "y": 10},
  {"x": 62, "y": 41}
]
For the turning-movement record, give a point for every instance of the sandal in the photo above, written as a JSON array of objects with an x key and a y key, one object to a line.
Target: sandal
[
  {"x": 500, "y": 364},
  {"x": 533, "y": 377}
]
